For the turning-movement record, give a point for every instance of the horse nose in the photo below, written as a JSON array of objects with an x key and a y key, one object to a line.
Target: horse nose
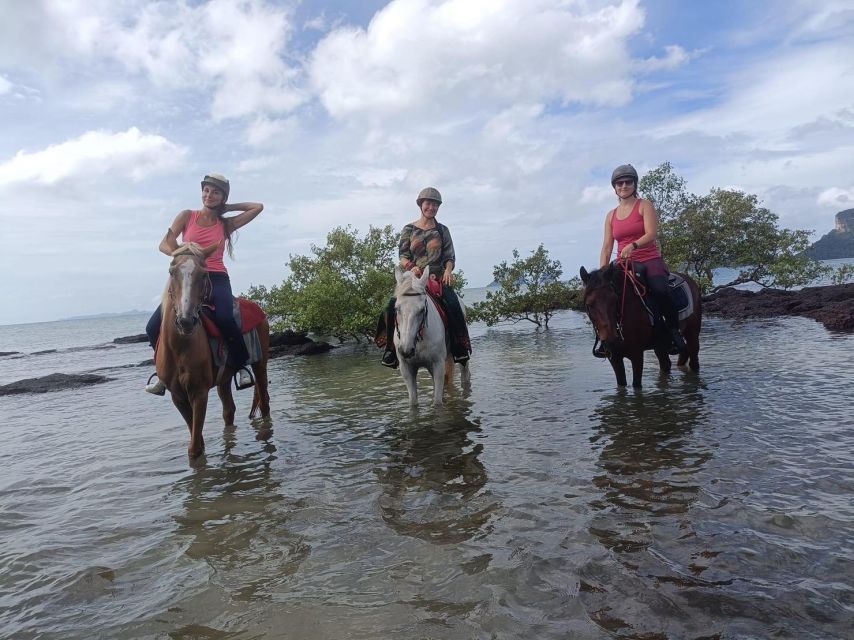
[{"x": 186, "y": 323}]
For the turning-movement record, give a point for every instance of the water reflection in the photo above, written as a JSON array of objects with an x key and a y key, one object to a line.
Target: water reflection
[
  {"x": 432, "y": 478},
  {"x": 235, "y": 517}
]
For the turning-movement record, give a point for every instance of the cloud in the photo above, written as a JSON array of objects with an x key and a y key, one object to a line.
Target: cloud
[
  {"x": 5, "y": 86},
  {"x": 94, "y": 154},
  {"x": 459, "y": 55},
  {"x": 836, "y": 197}
]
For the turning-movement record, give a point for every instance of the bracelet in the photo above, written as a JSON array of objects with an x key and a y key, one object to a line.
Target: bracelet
[{"x": 635, "y": 245}]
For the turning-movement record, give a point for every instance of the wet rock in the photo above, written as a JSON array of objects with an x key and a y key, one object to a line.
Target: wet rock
[
  {"x": 52, "y": 382},
  {"x": 288, "y": 338},
  {"x": 9, "y": 353},
  {"x": 140, "y": 337},
  {"x": 833, "y": 305},
  {"x": 293, "y": 343}
]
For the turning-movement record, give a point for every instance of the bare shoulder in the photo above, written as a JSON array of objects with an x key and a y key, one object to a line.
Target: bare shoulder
[{"x": 646, "y": 207}]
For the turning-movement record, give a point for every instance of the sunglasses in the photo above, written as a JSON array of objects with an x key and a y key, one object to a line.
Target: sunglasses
[{"x": 624, "y": 183}]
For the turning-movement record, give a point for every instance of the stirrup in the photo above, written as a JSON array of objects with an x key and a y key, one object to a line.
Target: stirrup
[
  {"x": 243, "y": 379},
  {"x": 677, "y": 345},
  {"x": 157, "y": 388},
  {"x": 389, "y": 360},
  {"x": 462, "y": 359}
]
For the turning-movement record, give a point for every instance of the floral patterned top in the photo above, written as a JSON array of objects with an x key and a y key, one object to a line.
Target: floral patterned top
[{"x": 423, "y": 247}]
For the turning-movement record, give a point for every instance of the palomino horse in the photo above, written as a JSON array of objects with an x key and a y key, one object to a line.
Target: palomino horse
[
  {"x": 420, "y": 337},
  {"x": 184, "y": 360},
  {"x": 623, "y": 324}
]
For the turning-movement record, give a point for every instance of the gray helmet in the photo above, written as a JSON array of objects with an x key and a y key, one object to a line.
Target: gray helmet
[
  {"x": 428, "y": 193},
  {"x": 624, "y": 171},
  {"x": 218, "y": 181}
]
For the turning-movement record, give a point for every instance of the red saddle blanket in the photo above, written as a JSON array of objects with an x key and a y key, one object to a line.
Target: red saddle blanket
[
  {"x": 251, "y": 316},
  {"x": 434, "y": 290}
]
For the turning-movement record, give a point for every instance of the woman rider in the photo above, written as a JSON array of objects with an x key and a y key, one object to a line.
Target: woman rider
[
  {"x": 206, "y": 227},
  {"x": 426, "y": 244},
  {"x": 634, "y": 225}
]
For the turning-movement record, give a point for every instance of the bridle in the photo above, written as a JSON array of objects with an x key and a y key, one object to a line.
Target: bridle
[
  {"x": 629, "y": 276},
  {"x": 424, "y": 314},
  {"x": 197, "y": 309}
]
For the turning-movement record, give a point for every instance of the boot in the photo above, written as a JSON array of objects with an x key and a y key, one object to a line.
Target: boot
[
  {"x": 678, "y": 345},
  {"x": 156, "y": 387},
  {"x": 243, "y": 379},
  {"x": 390, "y": 358}
]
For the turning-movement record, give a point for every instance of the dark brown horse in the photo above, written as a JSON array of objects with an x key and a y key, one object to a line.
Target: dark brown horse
[
  {"x": 623, "y": 324},
  {"x": 184, "y": 360}
]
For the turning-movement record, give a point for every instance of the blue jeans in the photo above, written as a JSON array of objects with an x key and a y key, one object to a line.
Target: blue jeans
[{"x": 223, "y": 300}]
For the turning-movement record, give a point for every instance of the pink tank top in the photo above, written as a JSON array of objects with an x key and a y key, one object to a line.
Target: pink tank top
[
  {"x": 207, "y": 236},
  {"x": 629, "y": 230}
]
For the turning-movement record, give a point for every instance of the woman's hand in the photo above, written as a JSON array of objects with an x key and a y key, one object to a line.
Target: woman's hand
[
  {"x": 448, "y": 278},
  {"x": 627, "y": 251},
  {"x": 416, "y": 271}
]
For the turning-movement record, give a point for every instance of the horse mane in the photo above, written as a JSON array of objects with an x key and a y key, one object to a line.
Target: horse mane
[{"x": 598, "y": 278}]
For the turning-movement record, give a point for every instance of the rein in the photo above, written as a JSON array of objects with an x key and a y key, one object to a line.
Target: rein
[
  {"x": 425, "y": 314},
  {"x": 208, "y": 288}
]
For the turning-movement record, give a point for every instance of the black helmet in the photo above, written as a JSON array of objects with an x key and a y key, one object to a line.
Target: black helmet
[
  {"x": 624, "y": 171},
  {"x": 428, "y": 193},
  {"x": 218, "y": 181}
]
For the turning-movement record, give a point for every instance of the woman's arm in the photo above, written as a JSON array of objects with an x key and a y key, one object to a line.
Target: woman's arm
[
  {"x": 250, "y": 212},
  {"x": 607, "y": 243},
  {"x": 404, "y": 250},
  {"x": 170, "y": 240},
  {"x": 650, "y": 229},
  {"x": 449, "y": 257}
]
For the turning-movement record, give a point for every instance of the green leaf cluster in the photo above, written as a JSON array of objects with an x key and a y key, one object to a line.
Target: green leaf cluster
[
  {"x": 338, "y": 290},
  {"x": 726, "y": 228},
  {"x": 530, "y": 289}
]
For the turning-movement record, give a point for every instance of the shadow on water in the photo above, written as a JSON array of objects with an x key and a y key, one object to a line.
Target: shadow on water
[
  {"x": 651, "y": 448},
  {"x": 432, "y": 478}
]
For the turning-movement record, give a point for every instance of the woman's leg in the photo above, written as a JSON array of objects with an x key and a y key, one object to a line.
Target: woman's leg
[
  {"x": 460, "y": 343},
  {"x": 152, "y": 329},
  {"x": 223, "y": 301},
  {"x": 389, "y": 358},
  {"x": 661, "y": 293}
]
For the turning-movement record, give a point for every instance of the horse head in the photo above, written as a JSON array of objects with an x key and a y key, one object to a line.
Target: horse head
[
  {"x": 188, "y": 284},
  {"x": 601, "y": 302},
  {"x": 410, "y": 308}
]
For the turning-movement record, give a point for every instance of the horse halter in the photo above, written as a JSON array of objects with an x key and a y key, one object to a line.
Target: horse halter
[
  {"x": 424, "y": 314},
  {"x": 197, "y": 309}
]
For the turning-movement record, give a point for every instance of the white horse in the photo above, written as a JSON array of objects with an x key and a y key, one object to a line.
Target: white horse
[{"x": 420, "y": 337}]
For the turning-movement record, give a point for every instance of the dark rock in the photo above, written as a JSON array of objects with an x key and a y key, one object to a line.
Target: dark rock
[
  {"x": 53, "y": 382},
  {"x": 41, "y": 353},
  {"x": 9, "y": 353},
  {"x": 288, "y": 338},
  {"x": 305, "y": 349},
  {"x": 833, "y": 306},
  {"x": 140, "y": 337}
]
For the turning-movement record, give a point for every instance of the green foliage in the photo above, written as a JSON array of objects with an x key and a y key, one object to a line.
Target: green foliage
[
  {"x": 726, "y": 228},
  {"x": 842, "y": 274},
  {"x": 339, "y": 289},
  {"x": 530, "y": 290}
]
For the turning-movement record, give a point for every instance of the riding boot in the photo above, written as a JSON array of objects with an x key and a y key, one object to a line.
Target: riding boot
[
  {"x": 671, "y": 321},
  {"x": 460, "y": 343},
  {"x": 389, "y": 358}
]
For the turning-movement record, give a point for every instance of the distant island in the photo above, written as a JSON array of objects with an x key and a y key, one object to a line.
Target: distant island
[
  {"x": 114, "y": 314},
  {"x": 838, "y": 243}
]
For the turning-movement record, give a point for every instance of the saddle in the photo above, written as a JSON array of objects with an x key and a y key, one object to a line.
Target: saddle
[
  {"x": 248, "y": 316},
  {"x": 680, "y": 292}
]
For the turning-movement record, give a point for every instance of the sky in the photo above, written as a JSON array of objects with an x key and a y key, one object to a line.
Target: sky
[{"x": 336, "y": 113}]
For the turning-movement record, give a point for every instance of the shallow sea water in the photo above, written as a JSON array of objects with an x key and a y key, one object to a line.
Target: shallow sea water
[{"x": 543, "y": 503}]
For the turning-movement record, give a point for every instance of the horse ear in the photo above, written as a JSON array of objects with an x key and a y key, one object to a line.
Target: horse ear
[
  {"x": 398, "y": 274},
  {"x": 425, "y": 276},
  {"x": 208, "y": 250},
  {"x": 584, "y": 275}
]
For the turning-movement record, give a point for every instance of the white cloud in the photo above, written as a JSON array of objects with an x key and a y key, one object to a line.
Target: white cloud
[
  {"x": 437, "y": 57},
  {"x": 836, "y": 197},
  {"x": 5, "y": 86},
  {"x": 94, "y": 154}
]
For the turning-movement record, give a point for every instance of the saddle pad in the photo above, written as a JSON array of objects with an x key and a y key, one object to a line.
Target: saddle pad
[
  {"x": 219, "y": 349},
  {"x": 680, "y": 296}
]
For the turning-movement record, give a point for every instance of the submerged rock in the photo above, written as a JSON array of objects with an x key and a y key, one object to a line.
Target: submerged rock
[
  {"x": 292, "y": 343},
  {"x": 140, "y": 337},
  {"x": 833, "y": 305},
  {"x": 52, "y": 382},
  {"x": 9, "y": 353}
]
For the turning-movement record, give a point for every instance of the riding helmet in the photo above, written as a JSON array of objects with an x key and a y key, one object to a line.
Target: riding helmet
[
  {"x": 218, "y": 181},
  {"x": 624, "y": 171},
  {"x": 428, "y": 193}
]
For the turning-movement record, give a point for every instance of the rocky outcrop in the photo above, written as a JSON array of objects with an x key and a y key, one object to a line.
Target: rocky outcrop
[
  {"x": 833, "y": 306},
  {"x": 52, "y": 382},
  {"x": 140, "y": 337},
  {"x": 292, "y": 343},
  {"x": 9, "y": 353}
]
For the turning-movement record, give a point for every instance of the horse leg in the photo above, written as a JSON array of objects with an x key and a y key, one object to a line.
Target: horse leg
[
  {"x": 619, "y": 369},
  {"x": 438, "y": 373},
  {"x": 664, "y": 363},
  {"x": 465, "y": 376},
  {"x": 261, "y": 398},
  {"x": 692, "y": 341},
  {"x": 449, "y": 373},
  {"x": 409, "y": 374},
  {"x": 179, "y": 399},
  {"x": 200, "y": 408},
  {"x": 637, "y": 369},
  {"x": 223, "y": 389}
]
